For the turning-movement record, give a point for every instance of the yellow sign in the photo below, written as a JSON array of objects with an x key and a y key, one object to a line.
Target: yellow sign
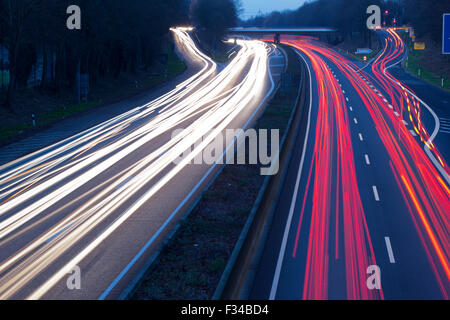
[{"x": 419, "y": 45}]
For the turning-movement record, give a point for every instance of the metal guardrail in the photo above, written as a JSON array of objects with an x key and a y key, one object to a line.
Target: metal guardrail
[{"x": 236, "y": 271}]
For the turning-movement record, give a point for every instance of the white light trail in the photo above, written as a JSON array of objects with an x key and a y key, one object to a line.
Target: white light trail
[{"x": 33, "y": 186}]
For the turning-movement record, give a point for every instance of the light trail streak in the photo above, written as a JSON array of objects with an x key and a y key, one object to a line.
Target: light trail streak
[
  {"x": 424, "y": 190},
  {"x": 206, "y": 104},
  {"x": 333, "y": 194}
]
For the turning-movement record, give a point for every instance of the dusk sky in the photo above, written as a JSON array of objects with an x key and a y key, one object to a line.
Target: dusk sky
[{"x": 252, "y": 7}]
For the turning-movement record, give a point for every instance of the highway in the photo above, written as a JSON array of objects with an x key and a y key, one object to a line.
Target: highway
[
  {"x": 104, "y": 199},
  {"x": 367, "y": 188}
]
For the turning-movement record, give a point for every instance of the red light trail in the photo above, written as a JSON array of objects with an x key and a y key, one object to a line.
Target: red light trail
[{"x": 332, "y": 179}]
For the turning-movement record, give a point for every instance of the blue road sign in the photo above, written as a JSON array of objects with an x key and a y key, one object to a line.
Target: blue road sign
[{"x": 446, "y": 34}]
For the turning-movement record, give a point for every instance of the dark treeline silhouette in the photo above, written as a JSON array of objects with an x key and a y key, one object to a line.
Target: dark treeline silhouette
[
  {"x": 116, "y": 36},
  {"x": 213, "y": 17},
  {"x": 349, "y": 16},
  {"x": 426, "y": 17},
  {"x": 346, "y": 15}
]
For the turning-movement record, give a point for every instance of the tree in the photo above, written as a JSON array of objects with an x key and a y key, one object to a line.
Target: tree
[
  {"x": 426, "y": 16},
  {"x": 15, "y": 23},
  {"x": 214, "y": 16},
  {"x": 116, "y": 36}
]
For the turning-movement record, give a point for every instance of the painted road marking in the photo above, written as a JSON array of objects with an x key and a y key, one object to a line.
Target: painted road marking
[
  {"x": 405, "y": 123},
  {"x": 396, "y": 113},
  {"x": 346, "y": 99},
  {"x": 375, "y": 193},
  {"x": 351, "y": 109},
  {"x": 390, "y": 106},
  {"x": 282, "y": 251},
  {"x": 360, "y": 137},
  {"x": 389, "y": 249},
  {"x": 413, "y": 133},
  {"x": 356, "y": 120},
  {"x": 367, "y": 159}
]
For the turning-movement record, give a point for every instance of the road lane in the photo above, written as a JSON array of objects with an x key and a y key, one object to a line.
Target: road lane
[
  {"x": 327, "y": 234},
  {"x": 97, "y": 199}
]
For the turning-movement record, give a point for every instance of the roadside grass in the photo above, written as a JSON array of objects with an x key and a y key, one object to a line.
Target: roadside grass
[
  {"x": 222, "y": 56},
  {"x": 413, "y": 65},
  {"x": 428, "y": 61},
  {"x": 221, "y": 52},
  {"x": 8, "y": 133},
  {"x": 191, "y": 262},
  {"x": 174, "y": 67},
  {"x": 47, "y": 118}
]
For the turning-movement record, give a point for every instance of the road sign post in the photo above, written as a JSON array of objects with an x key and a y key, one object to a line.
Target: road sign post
[{"x": 446, "y": 33}]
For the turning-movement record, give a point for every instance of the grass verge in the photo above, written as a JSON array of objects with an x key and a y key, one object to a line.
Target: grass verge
[
  {"x": 414, "y": 65},
  {"x": 429, "y": 64},
  {"x": 48, "y": 118},
  {"x": 111, "y": 92},
  {"x": 192, "y": 261}
]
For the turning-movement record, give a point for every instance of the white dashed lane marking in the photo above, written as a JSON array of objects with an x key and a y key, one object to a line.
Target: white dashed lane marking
[
  {"x": 389, "y": 249},
  {"x": 375, "y": 193},
  {"x": 367, "y": 159}
]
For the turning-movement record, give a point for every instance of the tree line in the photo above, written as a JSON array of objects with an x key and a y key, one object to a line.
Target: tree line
[
  {"x": 213, "y": 17},
  {"x": 116, "y": 36},
  {"x": 426, "y": 17},
  {"x": 349, "y": 16}
]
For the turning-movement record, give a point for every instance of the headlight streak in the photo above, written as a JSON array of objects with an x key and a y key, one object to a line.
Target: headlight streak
[{"x": 211, "y": 100}]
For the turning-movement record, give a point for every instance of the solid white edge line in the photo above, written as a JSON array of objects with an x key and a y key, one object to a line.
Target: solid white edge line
[
  {"x": 276, "y": 277},
  {"x": 174, "y": 213},
  {"x": 436, "y": 128}
]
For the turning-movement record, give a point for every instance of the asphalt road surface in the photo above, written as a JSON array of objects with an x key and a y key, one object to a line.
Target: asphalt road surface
[
  {"x": 364, "y": 212},
  {"x": 104, "y": 199}
]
